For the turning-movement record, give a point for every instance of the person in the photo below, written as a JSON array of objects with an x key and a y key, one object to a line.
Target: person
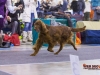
[
  {"x": 46, "y": 6},
  {"x": 81, "y": 7},
  {"x": 26, "y": 18},
  {"x": 64, "y": 5},
  {"x": 63, "y": 15},
  {"x": 20, "y": 2},
  {"x": 19, "y": 14},
  {"x": 11, "y": 8},
  {"x": 56, "y": 7},
  {"x": 95, "y": 7},
  {"x": 11, "y": 22},
  {"x": 74, "y": 6},
  {"x": 52, "y": 3},
  {"x": 87, "y": 10},
  {"x": 33, "y": 6}
]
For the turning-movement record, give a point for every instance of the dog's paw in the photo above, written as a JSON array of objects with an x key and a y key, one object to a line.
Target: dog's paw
[
  {"x": 34, "y": 48},
  {"x": 33, "y": 55},
  {"x": 50, "y": 50},
  {"x": 75, "y": 49},
  {"x": 55, "y": 53}
]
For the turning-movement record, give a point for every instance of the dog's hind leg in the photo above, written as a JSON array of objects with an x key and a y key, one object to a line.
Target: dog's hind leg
[
  {"x": 72, "y": 43},
  {"x": 37, "y": 47},
  {"x": 61, "y": 47}
]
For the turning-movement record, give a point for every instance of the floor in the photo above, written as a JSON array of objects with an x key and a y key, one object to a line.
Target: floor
[{"x": 17, "y": 60}]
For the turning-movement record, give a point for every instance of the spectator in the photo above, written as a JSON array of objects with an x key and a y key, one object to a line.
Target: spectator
[
  {"x": 33, "y": 6},
  {"x": 20, "y": 2},
  {"x": 95, "y": 7},
  {"x": 42, "y": 4},
  {"x": 64, "y": 5},
  {"x": 12, "y": 22},
  {"x": 87, "y": 10},
  {"x": 27, "y": 31},
  {"x": 10, "y": 8},
  {"x": 2, "y": 12},
  {"x": 56, "y": 7},
  {"x": 46, "y": 6},
  {"x": 67, "y": 16},
  {"x": 52, "y": 3},
  {"x": 81, "y": 7},
  {"x": 19, "y": 14},
  {"x": 74, "y": 6}
]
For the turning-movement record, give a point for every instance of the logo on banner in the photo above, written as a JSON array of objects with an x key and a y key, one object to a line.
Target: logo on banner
[{"x": 91, "y": 67}]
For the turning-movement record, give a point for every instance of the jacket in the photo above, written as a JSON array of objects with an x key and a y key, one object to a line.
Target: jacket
[
  {"x": 74, "y": 6},
  {"x": 26, "y": 16},
  {"x": 95, "y": 3},
  {"x": 81, "y": 5}
]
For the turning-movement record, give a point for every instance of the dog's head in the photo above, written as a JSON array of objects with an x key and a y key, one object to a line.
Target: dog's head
[{"x": 40, "y": 26}]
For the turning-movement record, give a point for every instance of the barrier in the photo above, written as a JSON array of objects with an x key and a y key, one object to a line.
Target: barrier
[{"x": 91, "y": 35}]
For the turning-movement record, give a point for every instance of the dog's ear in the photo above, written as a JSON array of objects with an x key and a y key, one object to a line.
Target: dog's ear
[{"x": 43, "y": 26}]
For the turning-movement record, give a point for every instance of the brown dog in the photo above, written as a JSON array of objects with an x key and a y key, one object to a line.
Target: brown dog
[{"x": 52, "y": 35}]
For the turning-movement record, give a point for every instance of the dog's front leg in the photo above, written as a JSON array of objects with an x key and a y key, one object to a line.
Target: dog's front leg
[{"x": 37, "y": 47}]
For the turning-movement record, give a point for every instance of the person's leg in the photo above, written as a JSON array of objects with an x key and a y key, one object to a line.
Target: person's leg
[
  {"x": 35, "y": 13},
  {"x": 19, "y": 28},
  {"x": 32, "y": 18},
  {"x": 14, "y": 27},
  {"x": 25, "y": 30},
  {"x": 85, "y": 16},
  {"x": 29, "y": 33},
  {"x": 88, "y": 16},
  {"x": 57, "y": 15},
  {"x": 69, "y": 22},
  {"x": 1, "y": 23}
]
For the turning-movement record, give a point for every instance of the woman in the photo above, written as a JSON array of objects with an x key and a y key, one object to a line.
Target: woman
[
  {"x": 26, "y": 17},
  {"x": 33, "y": 6},
  {"x": 2, "y": 13},
  {"x": 87, "y": 10},
  {"x": 10, "y": 8}
]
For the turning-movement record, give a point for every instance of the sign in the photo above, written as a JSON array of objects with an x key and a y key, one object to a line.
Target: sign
[{"x": 75, "y": 64}]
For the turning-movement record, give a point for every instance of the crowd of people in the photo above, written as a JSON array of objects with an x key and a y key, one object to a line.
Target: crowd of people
[{"x": 27, "y": 10}]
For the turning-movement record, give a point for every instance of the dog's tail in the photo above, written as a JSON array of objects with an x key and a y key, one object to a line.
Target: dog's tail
[{"x": 78, "y": 29}]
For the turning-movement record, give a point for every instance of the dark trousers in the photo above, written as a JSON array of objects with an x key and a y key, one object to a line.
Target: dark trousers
[
  {"x": 63, "y": 17},
  {"x": 13, "y": 26},
  {"x": 86, "y": 16}
]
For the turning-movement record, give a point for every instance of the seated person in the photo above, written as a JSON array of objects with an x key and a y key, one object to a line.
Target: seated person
[
  {"x": 63, "y": 15},
  {"x": 56, "y": 8},
  {"x": 12, "y": 22},
  {"x": 46, "y": 6}
]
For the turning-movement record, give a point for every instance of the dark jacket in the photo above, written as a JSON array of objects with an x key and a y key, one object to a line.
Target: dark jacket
[
  {"x": 74, "y": 6},
  {"x": 14, "y": 17},
  {"x": 81, "y": 5}
]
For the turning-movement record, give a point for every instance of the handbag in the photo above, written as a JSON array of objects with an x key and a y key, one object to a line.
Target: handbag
[{"x": 98, "y": 11}]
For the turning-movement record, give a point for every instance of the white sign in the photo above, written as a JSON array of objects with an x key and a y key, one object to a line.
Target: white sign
[{"x": 75, "y": 64}]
